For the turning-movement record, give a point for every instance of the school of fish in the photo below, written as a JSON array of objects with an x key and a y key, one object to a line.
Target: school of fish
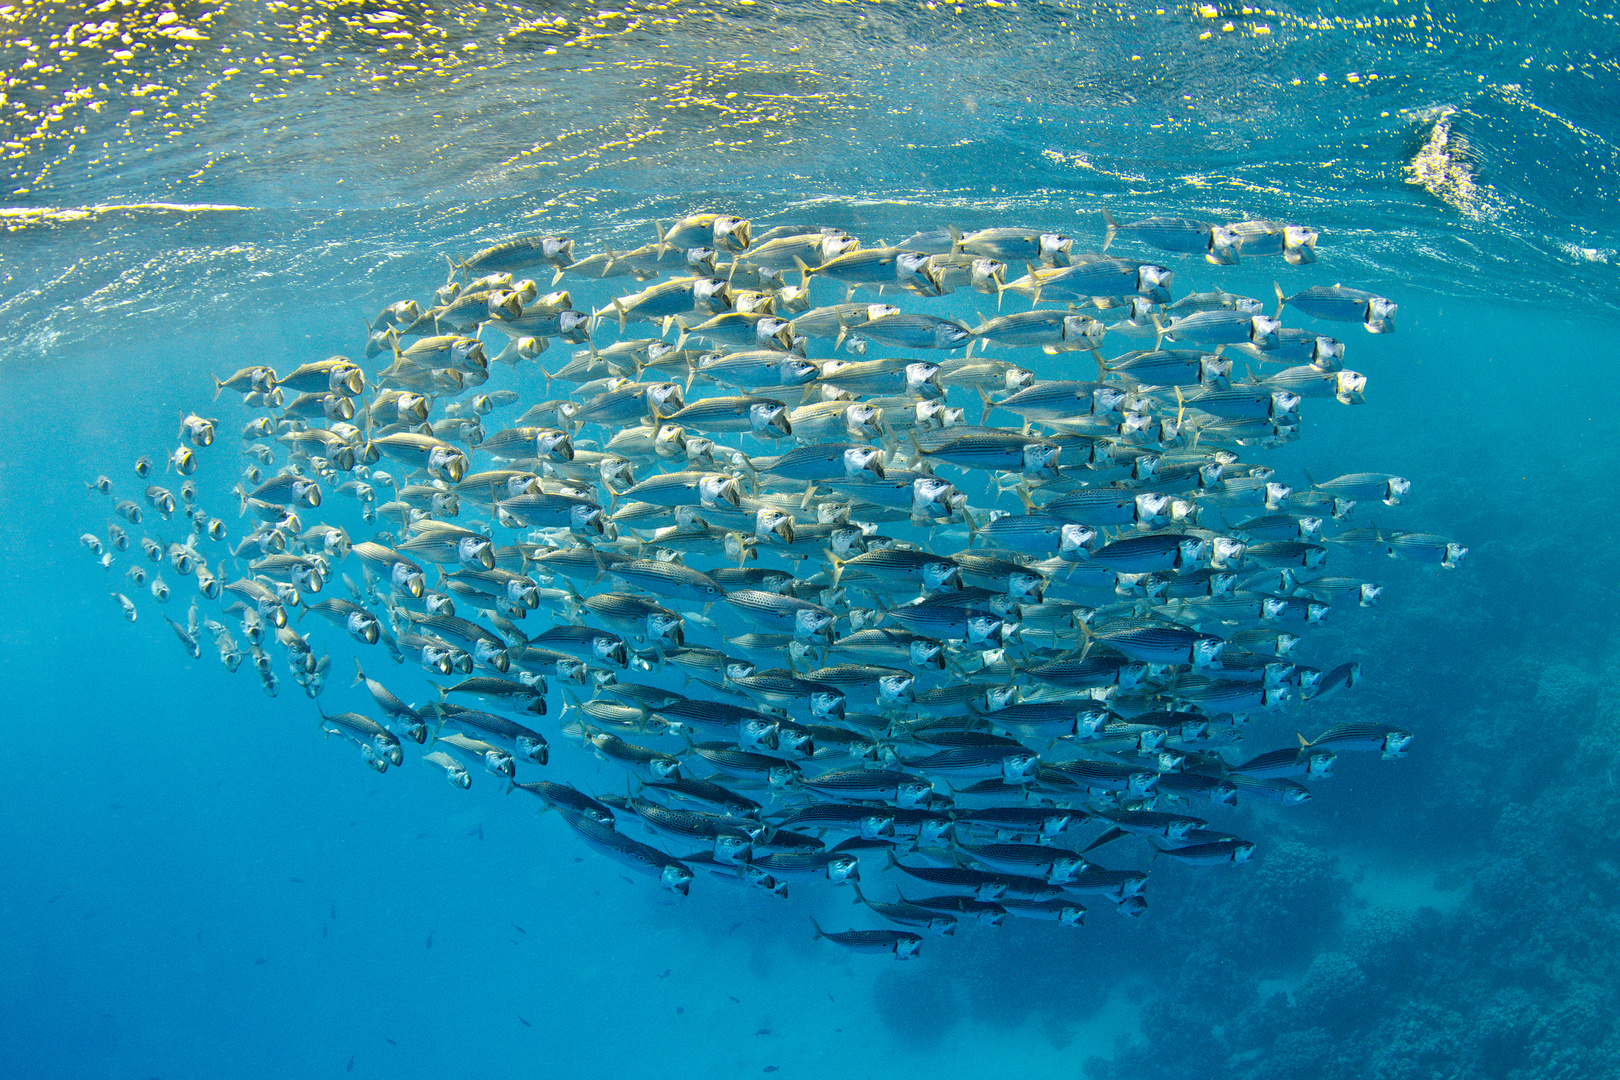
[{"x": 840, "y": 617}]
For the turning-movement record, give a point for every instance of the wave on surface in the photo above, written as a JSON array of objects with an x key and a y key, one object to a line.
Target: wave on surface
[{"x": 452, "y": 118}]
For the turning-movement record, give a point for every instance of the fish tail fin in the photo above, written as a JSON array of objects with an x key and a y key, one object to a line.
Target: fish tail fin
[
  {"x": 1281, "y": 300},
  {"x": 438, "y": 727},
  {"x": 916, "y": 445},
  {"x": 1001, "y": 288},
  {"x": 369, "y": 328},
  {"x": 444, "y": 691},
  {"x": 241, "y": 493},
  {"x": 984, "y": 397},
  {"x": 1102, "y": 370},
  {"x": 454, "y": 266},
  {"x": 1106, "y": 838},
  {"x": 1313, "y": 484},
  {"x": 819, "y": 932},
  {"x": 219, "y": 387},
  {"x": 623, "y": 316},
  {"x": 1159, "y": 331},
  {"x": 1109, "y": 232},
  {"x": 662, "y": 246},
  {"x": 359, "y": 673},
  {"x": 973, "y": 527},
  {"x": 1034, "y": 276},
  {"x": 1087, "y": 638},
  {"x": 956, "y": 237}
]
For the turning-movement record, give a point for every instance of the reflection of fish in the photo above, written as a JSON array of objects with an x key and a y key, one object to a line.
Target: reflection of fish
[{"x": 770, "y": 586}]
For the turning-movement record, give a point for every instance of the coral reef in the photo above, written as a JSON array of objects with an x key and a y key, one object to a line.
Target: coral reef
[{"x": 1519, "y": 980}]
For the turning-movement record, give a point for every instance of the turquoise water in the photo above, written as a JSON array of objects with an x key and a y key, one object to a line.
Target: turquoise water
[{"x": 195, "y": 883}]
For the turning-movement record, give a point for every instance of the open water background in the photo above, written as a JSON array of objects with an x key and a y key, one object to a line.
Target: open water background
[{"x": 192, "y": 884}]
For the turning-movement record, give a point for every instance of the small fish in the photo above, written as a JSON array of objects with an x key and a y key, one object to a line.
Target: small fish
[
  {"x": 900, "y": 944},
  {"x": 1295, "y": 243},
  {"x": 1425, "y": 547},
  {"x": 1337, "y": 303},
  {"x": 883, "y": 657},
  {"x": 1217, "y": 243}
]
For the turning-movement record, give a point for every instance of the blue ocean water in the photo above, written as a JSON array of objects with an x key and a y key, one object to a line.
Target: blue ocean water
[{"x": 196, "y": 883}]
